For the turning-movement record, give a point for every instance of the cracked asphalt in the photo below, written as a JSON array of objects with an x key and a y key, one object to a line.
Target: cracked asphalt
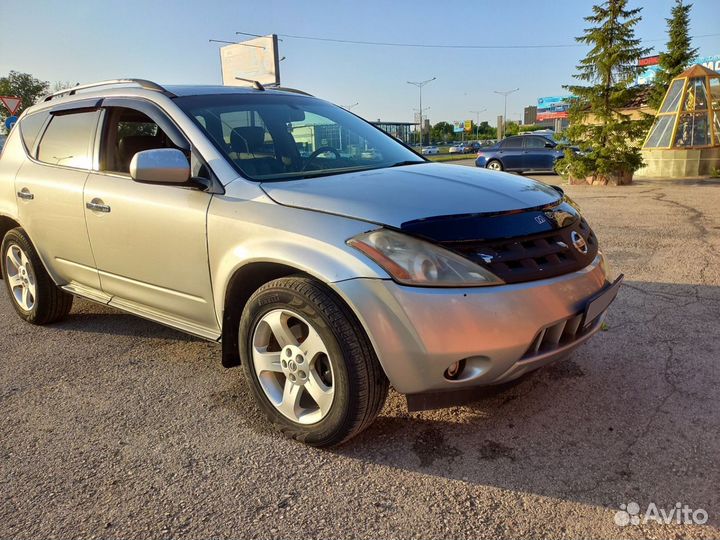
[{"x": 114, "y": 427}]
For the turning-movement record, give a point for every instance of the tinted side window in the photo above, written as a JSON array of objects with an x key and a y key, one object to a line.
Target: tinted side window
[
  {"x": 30, "y": 127},
  {"x": 67, "y": 140},
  {"x": 128, "y": 132},
  {"x": 535, "y": 142},
  {"x": 512, "y": 142}
]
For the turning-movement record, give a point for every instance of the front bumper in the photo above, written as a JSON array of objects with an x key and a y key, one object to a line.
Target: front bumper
[
  {"x": 501, "y": 332},
  {"x": 481, "y": 161}
]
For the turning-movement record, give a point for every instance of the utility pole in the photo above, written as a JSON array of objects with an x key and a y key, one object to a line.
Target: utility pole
[
  {"x": 505, "y": 94},
  {"x": 420, "y": 115},
  {"x": 420, "y": 85},
  {"x": 477, "y": 120}
]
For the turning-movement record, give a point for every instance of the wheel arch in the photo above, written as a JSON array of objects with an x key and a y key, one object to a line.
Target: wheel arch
[
  {"x": 6, "y": 224},
  {"x": 242, "y": 284}
]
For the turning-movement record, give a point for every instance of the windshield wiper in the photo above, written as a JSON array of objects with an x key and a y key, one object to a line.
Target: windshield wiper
[{"x": 408, "y": 162}]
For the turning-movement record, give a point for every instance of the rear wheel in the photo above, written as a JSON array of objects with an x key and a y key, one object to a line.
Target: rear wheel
[
  {"x": 34, "y": 296},
  {"x": 494, "y": 165},
  {"x": 309, "y": 363}
]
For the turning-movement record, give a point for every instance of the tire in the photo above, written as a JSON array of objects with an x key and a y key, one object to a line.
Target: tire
[
  {"x": 33, "y": 294},
  {"x": 337, "y": 359},
  {"x": 495, "y": 165}
]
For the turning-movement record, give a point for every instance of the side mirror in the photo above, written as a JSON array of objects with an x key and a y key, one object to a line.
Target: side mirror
[
  {"x": 549, "y": 145},
  {"x": 167, "y": 166}
]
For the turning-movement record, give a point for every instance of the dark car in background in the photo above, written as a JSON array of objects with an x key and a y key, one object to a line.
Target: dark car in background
[{"x": 521, "y": 153}]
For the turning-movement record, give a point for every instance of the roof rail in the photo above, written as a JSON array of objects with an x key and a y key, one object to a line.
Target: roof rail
[
  {"x": 292, "y": 90},
  {"x": 142, "y": 83}
]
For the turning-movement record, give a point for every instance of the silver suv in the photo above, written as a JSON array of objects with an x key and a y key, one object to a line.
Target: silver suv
[{"x": 329, "y": 259}]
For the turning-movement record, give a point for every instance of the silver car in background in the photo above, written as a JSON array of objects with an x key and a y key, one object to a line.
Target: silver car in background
[{"x": 330, "y": 260}]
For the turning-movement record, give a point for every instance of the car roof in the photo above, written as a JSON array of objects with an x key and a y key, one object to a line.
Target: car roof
[
  {"x": 182, "y": 90},
  {"x": 142, "y": 88}
]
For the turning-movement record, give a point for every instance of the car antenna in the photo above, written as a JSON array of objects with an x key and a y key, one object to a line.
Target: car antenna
[{"x": 255, "y": 84}]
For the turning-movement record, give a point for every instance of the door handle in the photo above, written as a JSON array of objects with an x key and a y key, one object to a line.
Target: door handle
[
  {"x": 25, "y": 194},
  {"x": 97, "y": 205}
]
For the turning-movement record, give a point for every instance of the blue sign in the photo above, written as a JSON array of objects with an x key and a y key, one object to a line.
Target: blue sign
[{"x": 10, "y": 122}]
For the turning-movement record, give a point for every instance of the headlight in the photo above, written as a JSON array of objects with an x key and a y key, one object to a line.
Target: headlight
[{"x": 415, "y": 262}]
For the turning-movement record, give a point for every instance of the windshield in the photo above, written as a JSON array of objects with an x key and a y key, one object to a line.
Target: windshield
[{"x": 270, "y": 136}]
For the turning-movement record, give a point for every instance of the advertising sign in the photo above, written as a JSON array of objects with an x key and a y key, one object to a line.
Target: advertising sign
[
  {"x": 552, "y": 107},
  {"x": 458, "y": 126},
  {"x": 253, "y": 60},
  {"x": 651, "y": 65},
  {"x": 468, "y": 125},
  {"x": 710, "y": 62},
  {"x": 649, "y": 61}
]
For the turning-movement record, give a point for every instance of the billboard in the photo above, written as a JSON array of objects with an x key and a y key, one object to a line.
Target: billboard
[
  {"x": 468, "y": 125},
  {"x": 254, "y": 60},
  {"x": 551, "y": 107},
  {"x": 651, "y": 65},
  {"x": 458, "y": 126}
]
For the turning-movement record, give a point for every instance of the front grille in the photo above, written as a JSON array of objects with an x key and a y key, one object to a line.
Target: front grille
[
  {"x": 556, "y": 335},
  {"x": 528, "y": 258}
]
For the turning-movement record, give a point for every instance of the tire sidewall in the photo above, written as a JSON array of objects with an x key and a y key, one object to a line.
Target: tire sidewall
[{"x": 257, "y": 307}]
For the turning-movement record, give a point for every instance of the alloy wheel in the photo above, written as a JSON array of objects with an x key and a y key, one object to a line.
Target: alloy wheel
[
  {"x": 293, "y": 366},
  {"x": 21, "y": 277},
  {"x": 495, "y": 166}
]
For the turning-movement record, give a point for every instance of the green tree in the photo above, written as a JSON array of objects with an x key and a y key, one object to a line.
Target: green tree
[
  {"x": 608, "y": 139},
  {"x": 486, "y": 131},
  {"x": 511, "y": 128},
  {"x": 442, "y": 131},
  {"x": 24, "y": 86},
  {"x": 679, "y": 54}
]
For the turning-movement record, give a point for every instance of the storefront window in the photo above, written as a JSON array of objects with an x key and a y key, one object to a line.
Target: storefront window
[
  {"x": 715, "y": 93},
  {"x": 695, "y": 97},
  {"x": 673, "y": 96},
  {"x": 661, "y": 132},
  {"x": 693, "y": 130}
]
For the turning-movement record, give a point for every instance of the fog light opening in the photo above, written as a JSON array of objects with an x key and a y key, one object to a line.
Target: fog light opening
[{"x": 454, "y": 370}]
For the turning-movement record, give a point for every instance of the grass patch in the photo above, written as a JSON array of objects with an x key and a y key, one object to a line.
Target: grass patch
[{"x": 450, "y": 157}]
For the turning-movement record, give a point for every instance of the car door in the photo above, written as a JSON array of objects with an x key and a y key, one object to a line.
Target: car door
[
  {"x": 538, "y": 156},
  {"x": 49, "y": 189},
  {"x": 510, "y": 153},
  {"x": 149, "y": 240}
]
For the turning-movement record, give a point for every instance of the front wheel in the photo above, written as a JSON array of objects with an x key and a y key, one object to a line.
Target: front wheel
[
  {"x": 494, "y": 165},
  {"x": 308, "y": 362},
  {"x": 34, "y": 296}
]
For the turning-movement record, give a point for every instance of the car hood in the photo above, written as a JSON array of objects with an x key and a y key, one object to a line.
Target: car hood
[{"x": 394, "y": 196}]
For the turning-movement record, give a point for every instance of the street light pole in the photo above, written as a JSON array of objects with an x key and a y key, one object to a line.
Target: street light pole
[
  {"x": 477, "y": 120},
  {"x": 350, "y": 107},
  {"x": 505, "y": 94},
  {"x": 420, "y": 85}
]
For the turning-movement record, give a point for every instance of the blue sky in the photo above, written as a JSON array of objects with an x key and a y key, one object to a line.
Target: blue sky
[{"x": 84, "y": 40}]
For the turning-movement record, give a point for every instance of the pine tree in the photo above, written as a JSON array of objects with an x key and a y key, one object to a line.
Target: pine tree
[
  {"x": 608, "y": 139},
  {"x": 679, "y": 53}
]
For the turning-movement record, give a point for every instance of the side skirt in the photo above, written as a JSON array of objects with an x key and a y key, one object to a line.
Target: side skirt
[{"x": 139, "y": 310}]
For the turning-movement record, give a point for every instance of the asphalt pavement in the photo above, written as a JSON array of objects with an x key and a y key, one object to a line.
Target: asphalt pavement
[{"x": 114, "y": 427}]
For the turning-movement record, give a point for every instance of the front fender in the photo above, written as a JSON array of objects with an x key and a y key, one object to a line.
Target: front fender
[{"x": 243, "y": 232}]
